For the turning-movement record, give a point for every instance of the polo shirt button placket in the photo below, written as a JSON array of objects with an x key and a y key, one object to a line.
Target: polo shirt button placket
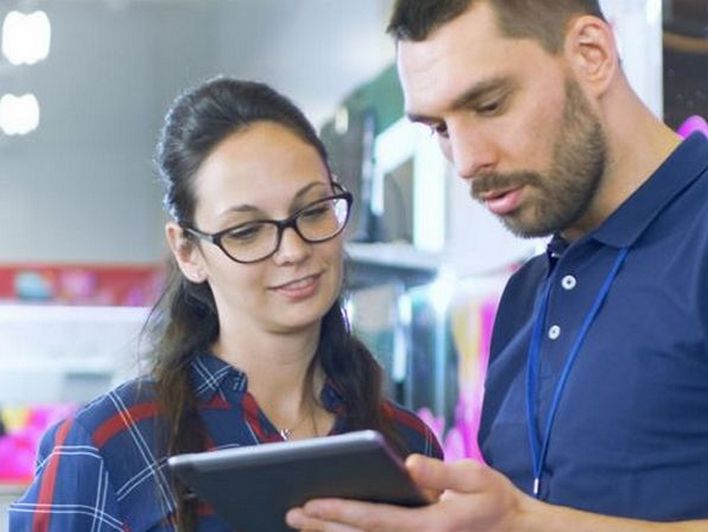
[
  {"x": 554, "y": 332},
  {"x": 569, "y": 282}
]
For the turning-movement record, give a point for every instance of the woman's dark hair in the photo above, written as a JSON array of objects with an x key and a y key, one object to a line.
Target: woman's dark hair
[{"x": 184, "y": 321}]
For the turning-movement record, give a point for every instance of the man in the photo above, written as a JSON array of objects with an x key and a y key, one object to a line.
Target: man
[{"x": 596, "y": 405}]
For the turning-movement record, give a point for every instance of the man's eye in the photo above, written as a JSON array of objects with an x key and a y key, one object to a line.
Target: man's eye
[
  {"x": 492, "y": 108},
  {"x": 439, "y": 129}
]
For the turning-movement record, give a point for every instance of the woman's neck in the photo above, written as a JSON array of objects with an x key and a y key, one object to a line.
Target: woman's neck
[
  {"x": 280, "y": 376},
  {"x": 267, "y": 355}
]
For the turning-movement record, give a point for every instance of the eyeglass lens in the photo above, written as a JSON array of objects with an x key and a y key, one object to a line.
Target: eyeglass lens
[{"x": 316, "y": 222}]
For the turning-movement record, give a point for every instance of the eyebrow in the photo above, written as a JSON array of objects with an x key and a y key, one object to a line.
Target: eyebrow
[
  {"x": 253, "y": 209},
  {"x": 471, "y": 96}
]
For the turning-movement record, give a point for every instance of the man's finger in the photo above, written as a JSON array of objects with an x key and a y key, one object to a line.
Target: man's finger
[
  {"x": 432, "y": 474},
  {"x": 362, "y": 516},
  {"x": 298, "y": 519}
]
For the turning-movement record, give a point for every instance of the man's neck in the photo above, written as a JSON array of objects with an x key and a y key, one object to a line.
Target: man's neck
[{"x": 638, "y": 144}]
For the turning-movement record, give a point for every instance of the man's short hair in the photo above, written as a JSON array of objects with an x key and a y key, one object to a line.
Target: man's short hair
[{"x": 542, "y": 20}]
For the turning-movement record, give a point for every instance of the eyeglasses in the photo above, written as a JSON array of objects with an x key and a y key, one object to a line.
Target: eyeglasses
[{"x": 254, "y": 241}]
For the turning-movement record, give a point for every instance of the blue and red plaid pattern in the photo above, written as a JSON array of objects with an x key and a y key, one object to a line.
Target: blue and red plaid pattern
[{"x": 100, "y": 470}]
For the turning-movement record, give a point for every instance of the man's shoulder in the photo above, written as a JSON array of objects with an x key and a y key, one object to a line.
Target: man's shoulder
[
  {"x": 530, "y": 273},
  {"x": 517, "y": 301},
  {"x": 522, "y": 286}
]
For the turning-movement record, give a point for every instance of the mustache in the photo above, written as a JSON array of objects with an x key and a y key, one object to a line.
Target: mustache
[{"x": 492, "y": 181}]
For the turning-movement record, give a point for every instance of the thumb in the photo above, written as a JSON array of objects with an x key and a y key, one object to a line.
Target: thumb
[{"x": 434, "y": 474}]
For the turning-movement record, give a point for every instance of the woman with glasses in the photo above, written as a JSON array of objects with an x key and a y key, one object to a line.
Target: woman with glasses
[{"x": 251, "y": 344}]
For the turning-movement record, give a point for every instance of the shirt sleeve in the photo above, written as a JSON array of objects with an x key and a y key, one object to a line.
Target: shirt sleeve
[
  {"x": 417, "y": 435},
  {"x": 432, "y": 445},
  {"x": 71, "y": 489}
]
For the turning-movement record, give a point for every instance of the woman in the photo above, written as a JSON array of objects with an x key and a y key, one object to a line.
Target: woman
[{"x": 251, "y": 343}]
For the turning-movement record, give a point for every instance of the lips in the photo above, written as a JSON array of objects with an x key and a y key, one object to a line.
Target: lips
[
  {"x": 502, "y": 202},
  {"x": 300, "y": 289},
  {"x": 298, "y": 284}
]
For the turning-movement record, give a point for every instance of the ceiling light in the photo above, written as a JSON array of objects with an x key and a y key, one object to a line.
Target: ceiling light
[
  {"x": 26, "y": 37},
  {"x": 19, "y": 115}
]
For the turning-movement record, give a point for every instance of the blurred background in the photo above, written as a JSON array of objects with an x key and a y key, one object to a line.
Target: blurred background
[{"x": 84, "y": 85}]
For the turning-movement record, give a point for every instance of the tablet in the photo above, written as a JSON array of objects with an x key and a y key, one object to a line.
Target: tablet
[{"x": 253, "y": 487}]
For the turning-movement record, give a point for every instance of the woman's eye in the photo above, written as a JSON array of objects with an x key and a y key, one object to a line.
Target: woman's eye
[
  {"x": 244, "y": 233},
  {"x": 315, "y": 211}
]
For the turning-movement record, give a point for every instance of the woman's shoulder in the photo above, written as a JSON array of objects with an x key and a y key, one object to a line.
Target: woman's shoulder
[
  {"x": 110, "y": 444},
  {"x": 417, "y": 435},
  {"x": 110, "y": 415},
  {"x": 132, "y": 399}
]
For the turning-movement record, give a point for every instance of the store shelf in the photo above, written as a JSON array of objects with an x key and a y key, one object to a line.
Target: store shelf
[
  {"x": 53, "y": 353},
  {"x": 371, "y": 264},
  {"x": 13, "y": 312},
  {"x": 395, "y": 255}
]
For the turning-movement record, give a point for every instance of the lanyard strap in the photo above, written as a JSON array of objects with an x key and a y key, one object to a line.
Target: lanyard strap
[{"x": 540, "y": 449}]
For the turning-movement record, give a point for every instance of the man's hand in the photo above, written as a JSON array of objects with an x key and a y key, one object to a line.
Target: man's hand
[{"x": 474, "y": 497}]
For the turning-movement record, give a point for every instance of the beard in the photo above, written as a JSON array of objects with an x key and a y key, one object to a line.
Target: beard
[{"x": 565, "y": 192}]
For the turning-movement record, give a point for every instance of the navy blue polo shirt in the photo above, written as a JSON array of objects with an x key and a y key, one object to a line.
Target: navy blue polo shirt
[{"x": 630, "y": 434}]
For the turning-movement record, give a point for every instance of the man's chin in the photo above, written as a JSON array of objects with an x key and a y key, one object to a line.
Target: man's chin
[{"x": 525, "y": 230}]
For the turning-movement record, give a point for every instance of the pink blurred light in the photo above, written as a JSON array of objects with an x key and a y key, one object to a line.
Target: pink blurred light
[{"x": 693, "y": 124}]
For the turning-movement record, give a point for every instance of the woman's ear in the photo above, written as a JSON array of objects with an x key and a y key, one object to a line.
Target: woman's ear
[
  {"x": 186, "y": 253},
  {"x": 591, "y": 52}
]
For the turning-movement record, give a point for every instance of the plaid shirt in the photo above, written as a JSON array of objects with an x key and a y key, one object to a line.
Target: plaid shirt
[{"x": 100, "y": 470}]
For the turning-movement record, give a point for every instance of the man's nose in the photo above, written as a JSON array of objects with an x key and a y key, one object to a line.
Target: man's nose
[{"x": 470, "y": 151}]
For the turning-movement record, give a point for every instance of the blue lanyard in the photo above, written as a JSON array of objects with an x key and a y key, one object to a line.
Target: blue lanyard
[{"x": 539, "y": 449}]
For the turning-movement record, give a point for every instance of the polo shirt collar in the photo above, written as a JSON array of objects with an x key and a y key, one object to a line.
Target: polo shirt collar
[{"x": 685, "y": 164}]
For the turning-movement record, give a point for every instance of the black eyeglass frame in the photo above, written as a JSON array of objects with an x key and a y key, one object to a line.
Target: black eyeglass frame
[{"x": 281, "y": 225}]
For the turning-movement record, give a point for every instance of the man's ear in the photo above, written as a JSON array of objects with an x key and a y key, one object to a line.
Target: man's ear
[
  {"x": 591, "y": 52},
  {"x": 186, "y": 253}
]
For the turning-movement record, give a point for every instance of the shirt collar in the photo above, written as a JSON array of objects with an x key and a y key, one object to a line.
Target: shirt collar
[
  {"x": 556, "y": 246},
  {"x": 678, "y": 172},
  {"x": 208, "y": 373}
]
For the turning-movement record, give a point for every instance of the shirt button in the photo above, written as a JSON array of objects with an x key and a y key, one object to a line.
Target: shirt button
[
  {"x": 554, "y": 332},
  {"x": 568, "y": 282}
]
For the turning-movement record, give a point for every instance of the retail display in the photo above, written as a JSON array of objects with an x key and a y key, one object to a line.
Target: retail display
[{"x": 69, "y": 333}]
